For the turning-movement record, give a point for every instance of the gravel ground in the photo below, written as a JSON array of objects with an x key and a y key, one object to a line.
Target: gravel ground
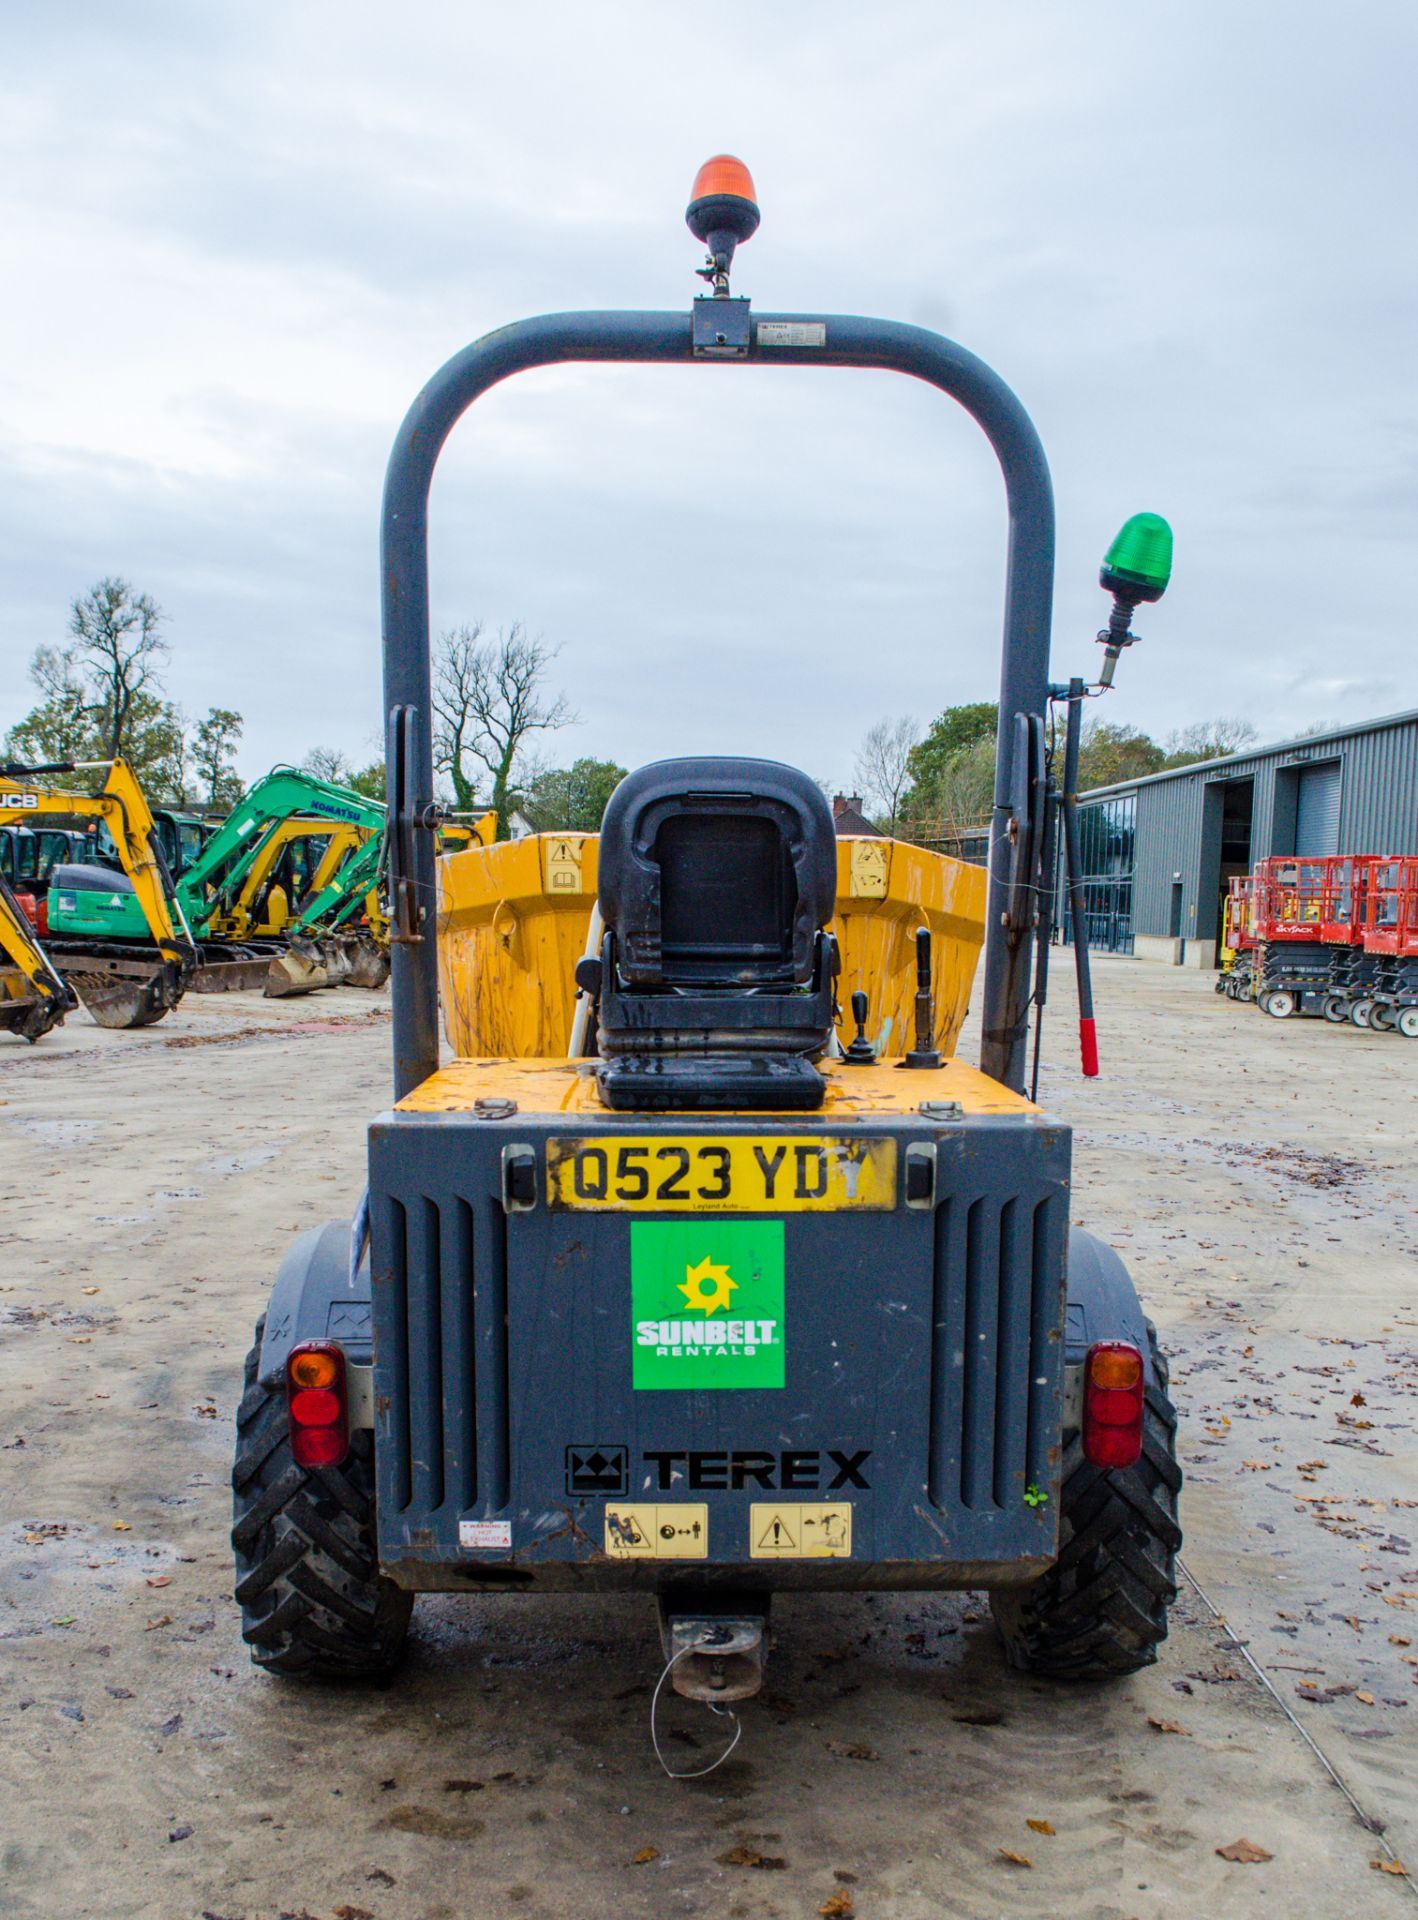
[{"x": 1260, "y": 1179}]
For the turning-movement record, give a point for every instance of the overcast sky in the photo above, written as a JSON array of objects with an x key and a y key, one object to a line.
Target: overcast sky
[{"x": 238, "y": 238}]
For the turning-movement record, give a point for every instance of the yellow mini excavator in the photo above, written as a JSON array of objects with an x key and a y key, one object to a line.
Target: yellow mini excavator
[
  {"x": 33, "y": 996},
  {"x": 118, "y": 986}
]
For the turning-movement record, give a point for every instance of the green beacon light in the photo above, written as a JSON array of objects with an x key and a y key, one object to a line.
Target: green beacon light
[{"x": 1136, "y": 567}]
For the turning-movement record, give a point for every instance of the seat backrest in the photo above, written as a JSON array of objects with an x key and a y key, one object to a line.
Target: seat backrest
[{"x": 717, "y": 873}]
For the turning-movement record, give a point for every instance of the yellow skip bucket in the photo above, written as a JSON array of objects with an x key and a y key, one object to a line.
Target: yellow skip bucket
[{"x": 513, "y": 920}]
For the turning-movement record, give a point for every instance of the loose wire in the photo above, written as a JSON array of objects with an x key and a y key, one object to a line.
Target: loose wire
[{"x": 697, "y": 1773}]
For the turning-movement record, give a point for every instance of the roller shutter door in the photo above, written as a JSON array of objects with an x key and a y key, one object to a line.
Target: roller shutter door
[{"x": 1317, "y": 811}]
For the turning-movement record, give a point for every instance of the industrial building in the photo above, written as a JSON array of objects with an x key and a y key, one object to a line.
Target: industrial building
[{"x": 1158, "y": 852}]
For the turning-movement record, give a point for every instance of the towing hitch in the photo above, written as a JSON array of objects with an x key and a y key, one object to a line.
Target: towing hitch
[{"x": 715, "y": 1657}]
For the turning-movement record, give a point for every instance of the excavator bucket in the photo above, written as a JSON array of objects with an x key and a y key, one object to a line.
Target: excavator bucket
[
  {"x": 294, "y": 972},
  {"x": 30, "y": 1017},
  {"x": 128, "y": 995},
  {"x": 369, "y": 967}
]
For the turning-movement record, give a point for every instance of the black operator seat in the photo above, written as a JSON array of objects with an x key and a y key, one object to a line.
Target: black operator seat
[{"x": 716, "y": 980}]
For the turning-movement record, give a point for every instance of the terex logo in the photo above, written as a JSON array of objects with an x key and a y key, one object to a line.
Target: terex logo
[{"x": 802, "y": 1470}]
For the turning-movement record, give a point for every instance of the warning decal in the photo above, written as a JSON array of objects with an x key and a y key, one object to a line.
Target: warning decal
[
  {"x": 679, "y": 1532},
  {"x": 787, "y": 1530}
]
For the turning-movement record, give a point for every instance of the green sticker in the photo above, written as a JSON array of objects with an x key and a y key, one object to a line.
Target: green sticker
[{"x": 707, "y": 1303}]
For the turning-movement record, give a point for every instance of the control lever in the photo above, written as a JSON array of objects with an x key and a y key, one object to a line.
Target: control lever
[
  {"x": 861, "y": 1053},
  {"x": 924, "y": 1053}
]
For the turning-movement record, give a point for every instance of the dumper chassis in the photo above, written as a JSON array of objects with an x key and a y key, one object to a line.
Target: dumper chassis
[{"x": 719, "y": 1299}]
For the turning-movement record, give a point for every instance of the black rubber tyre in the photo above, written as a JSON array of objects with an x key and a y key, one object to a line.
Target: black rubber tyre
[
  {"x": 1408, "y": 1023},
  {"x": 308, "y": 1584},
  {"x": 1383, "y": 1017},
  {"x": 1101, "y": 1609},
  {"x": 1336, "y": 1009}
]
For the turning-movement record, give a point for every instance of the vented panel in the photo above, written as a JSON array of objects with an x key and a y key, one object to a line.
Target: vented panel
[
  {"x": 442, "y": 1357},
  {"x": 992, "y": 1415}
]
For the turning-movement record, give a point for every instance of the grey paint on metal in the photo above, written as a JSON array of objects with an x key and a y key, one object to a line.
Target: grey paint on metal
[
  {"x": 1317, "y": 810},
  {"x": 849, "y": 341},
  {"x": 1378, "y": 812},
  {"x": 931, "y": 1338}
]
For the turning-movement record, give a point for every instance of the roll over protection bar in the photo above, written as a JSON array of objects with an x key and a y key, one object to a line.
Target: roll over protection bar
[{"x": 669, "y": 338}]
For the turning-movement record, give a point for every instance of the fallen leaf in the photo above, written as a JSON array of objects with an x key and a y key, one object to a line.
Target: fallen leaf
[
  {"x": 180, "y": 1833},
  {"x": 169, "y": 1727},
  {"x": 348, "y": 1912},
  {"x": 838, "y": 1906},
  {"x": 89, "y": 1290},
  {"x": 1389, "y": 1866},
  {"x": 1367, "y": 1698},
  {"x": 163, "y": 1620},
  {"x": 644, "y": 1857},
  {"x": 1040, "y": 1826},
  {"x": 122, "y": 1526},
  {"x": 852, "y": 1750},
  {"x": 1245, "y": 1853},
  {"x": 160, "y": 1580},
  {"x": 1015, "y": 1859},
  {"x": 461, "y": 1786},
  {"x": 1399, "y": 1640},
  {"x": 1166, "y": 1726}
]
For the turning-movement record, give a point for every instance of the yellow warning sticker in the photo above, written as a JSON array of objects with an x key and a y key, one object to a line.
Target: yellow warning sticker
[
  {"x": 789, "y": 1530},
  {"x": 678, "y": 1532},
  {"x": 561, "y": 863}
]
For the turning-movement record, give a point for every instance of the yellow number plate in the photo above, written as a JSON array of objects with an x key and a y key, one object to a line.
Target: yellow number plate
[{"x": 722, "y": 1173}]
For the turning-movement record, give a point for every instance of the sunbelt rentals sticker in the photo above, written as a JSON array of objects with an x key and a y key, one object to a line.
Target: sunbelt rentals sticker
[{"x": 707, "y": 1303}]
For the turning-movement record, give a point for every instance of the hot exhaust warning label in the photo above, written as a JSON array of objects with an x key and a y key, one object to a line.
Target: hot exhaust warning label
[{"x": 707, "y": 1303}]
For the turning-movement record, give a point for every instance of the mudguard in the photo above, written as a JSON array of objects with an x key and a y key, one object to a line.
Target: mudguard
[
  {"x": 315, "y": 1298},
  {"x": 1102, "y": 1301}
]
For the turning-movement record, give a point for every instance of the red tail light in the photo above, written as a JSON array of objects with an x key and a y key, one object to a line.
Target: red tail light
[
  {"x": 319, "y": 1412},
  {"x": 1114, "y": 1389}
]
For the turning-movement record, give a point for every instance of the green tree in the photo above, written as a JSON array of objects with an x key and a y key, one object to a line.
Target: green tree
[
  {"x": 66, "y": 725},
  {"x": 954, "y": 730},
  {"x": 488, "y": 699},
  {"x": 571, "y": 799},
  {"x": 62, "y": 726},
  {"x": 1110, "y": 752},
  {"x": 370, "y": 781},
  {"x": 214, "y": 758}
]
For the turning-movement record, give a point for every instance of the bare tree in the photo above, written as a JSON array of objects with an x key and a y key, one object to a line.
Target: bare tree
[
  {"x": 329, "y": 764},
  {"x": 884, "y": 765},
  {"x": 1208, "y": 740},
  {"x": 115, "y": 638},
  {"x": 488, "y": 700}
]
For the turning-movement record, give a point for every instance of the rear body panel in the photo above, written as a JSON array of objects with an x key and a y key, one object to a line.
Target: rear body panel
[{"x": 584, "y": 1394}]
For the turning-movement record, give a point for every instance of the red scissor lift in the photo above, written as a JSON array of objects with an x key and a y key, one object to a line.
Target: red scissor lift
[
  {"x": 1307, "y": 916},
  {"x": 1390, "y": 941}
]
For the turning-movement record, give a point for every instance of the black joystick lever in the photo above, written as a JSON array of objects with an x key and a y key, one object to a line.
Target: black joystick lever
[
  {"x": 861, "y": 1052},
  {"x": 924, "y": 1053}
]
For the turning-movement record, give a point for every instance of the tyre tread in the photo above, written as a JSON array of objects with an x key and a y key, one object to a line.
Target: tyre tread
[
  {"x": 1101, "y": 1610},
  {"x": 312, "y": 1598}
]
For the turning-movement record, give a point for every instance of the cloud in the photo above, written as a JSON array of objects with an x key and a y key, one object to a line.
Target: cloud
[{"x": 239, "y": 240}]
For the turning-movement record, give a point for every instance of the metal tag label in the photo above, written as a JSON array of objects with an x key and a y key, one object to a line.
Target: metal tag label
[{"x": 792, "y": 333}]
